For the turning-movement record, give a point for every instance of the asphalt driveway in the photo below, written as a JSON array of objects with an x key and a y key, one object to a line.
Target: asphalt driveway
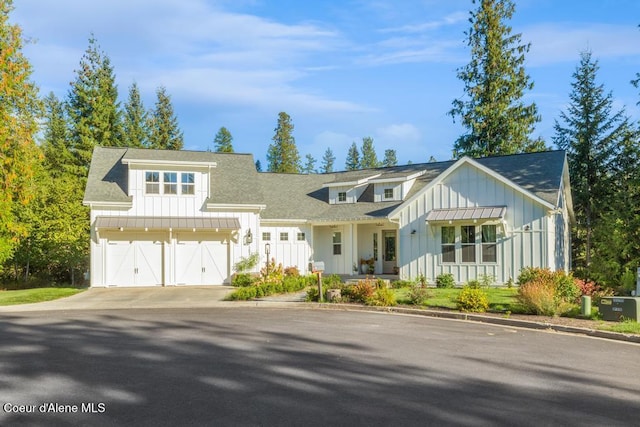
[{"x": 127, "y": 298}]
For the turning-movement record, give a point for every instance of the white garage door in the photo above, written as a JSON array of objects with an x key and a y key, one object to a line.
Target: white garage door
[
  {"x": 134, "y": 259},
  {"x": 202, "y": 259}
]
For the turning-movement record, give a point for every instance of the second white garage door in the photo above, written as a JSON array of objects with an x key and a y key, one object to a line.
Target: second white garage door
[{"x": 202, "y": 258}]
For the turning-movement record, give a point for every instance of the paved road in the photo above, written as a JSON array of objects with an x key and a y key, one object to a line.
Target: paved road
[{"x": 273, "y": 366}]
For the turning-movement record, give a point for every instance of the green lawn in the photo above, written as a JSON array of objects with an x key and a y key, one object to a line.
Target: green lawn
[
  {"x": 29, "y": 296},
  {"x": 626, "y": 327},
  {"x": 500, "y": 299}
]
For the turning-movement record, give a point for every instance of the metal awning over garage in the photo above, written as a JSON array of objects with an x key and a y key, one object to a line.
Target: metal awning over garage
[
  {"x": 480, "y": 213},
  {"x": 165, "y": 223}
]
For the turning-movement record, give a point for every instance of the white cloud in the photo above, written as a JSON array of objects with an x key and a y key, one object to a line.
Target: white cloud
[
  {"x": 452, "y": 18},
  {"x": 197, "y": 50},
  {"x": 404, "y": 133},
  {"x": 553, "y": 43}
]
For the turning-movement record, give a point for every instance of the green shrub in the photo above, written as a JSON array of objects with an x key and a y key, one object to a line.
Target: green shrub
[
  {"x": 473, "y": 299},
  {"x": 486, "y": 280},
  {"x": 445, "y": 281},
  {"x": 474, "y": 284},
  {"x": 382, "y": 297},
  {"x": 247, "y": 263},
  {"x": 418, "y": 295},
  {"x": 242, "y": 294},
  {"x": 400, "y": 284},
  {"x": 330, "y": 280},
  {"x": 243, "y": 279},
  {"x": 312, "y": 294}
]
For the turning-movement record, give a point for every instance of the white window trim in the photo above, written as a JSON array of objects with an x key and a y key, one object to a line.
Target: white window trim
[
  {"x": 161, "y": 183},
  {"x": 477, "y": 245}
]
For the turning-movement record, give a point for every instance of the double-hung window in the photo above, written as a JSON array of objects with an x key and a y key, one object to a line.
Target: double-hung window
[
  {"x": 152, "y": 182},
  {"x": 337, "y": 243},
  {"x": 170, "y": 183},
  {"x": 489, "y": 244},
  {"x": 468, "y": 242},
  {"x": 342, "y": 196},
  {"x": 448, "y": 241},
  {"x": 188, "y": 183}
]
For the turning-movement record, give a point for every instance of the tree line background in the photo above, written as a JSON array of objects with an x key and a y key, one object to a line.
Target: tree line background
[{"x": 46, "y": 145}]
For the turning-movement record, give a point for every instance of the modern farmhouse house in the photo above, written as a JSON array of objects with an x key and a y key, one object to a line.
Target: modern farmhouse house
[{"x": 185, "y": 218}]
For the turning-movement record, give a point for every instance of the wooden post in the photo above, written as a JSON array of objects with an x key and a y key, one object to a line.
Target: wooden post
[{"x": 320, "y": 297}]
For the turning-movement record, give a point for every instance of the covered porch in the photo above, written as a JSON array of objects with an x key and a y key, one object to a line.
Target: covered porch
[{"x": 357, "y": 248}]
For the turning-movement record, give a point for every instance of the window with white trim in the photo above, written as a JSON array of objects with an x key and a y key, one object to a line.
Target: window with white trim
[
  {"x": 284, "y": 237},
  {"x": 152, "y": 182},
  {"x": 489, "y": 243},
  {"x": 266, "y": 236},
  {"x": 388, "y": 193},
  {"x": 170, "y": 182},
  {"x": 448, "y": 242},
  {"x": 188, "y": 183},
  {"x": 342, "y": 196},
  {"x": 468, "y": 243},
  {"x": 301, "y": 237},
  {"x": 337, "y": 243}
]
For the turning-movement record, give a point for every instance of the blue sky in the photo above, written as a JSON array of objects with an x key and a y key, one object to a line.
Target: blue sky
[{"x": 341, "y": 69}]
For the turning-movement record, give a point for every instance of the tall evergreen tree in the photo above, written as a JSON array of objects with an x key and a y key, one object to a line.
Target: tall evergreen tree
[
  {"x": 258, "y": 166},
  {"x": 390, "y": 158},
  {"x": 496, "y": 118},
  {"x": 164, "y": 131},
  {"x": 590, "y": 132},
  {"x": 328, "y": 161},
  {"x": 616, "y": 237},
  {"x": 55, "y": 144},
  {"x": 92, "y": 106},
  {"x": 283, "y": 153},
  {"x": 136, "y": 132},
  {"x": 369, "y": 157},
  {"x": 223, "y": 141},
  {"x": 19, "y": 111},
  {"x": 353, "y": 158},
  {"x": 309, "y": 165}
]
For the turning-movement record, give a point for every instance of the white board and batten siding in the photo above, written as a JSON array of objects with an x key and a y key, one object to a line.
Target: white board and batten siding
[
  {"x": 525, "y": 242},
  {"x": 289, "y": 252},
  {"x": 210, "y": 254}
]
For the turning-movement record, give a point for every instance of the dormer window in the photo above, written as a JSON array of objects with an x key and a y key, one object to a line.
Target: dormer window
[
  {"x": 388, "y": 193},
  {"x": 170, "y": 183},
  {"x": 188, "y": 183},
  {"x": 342, "y": 196},
  {"x": 152, "y": 182}
]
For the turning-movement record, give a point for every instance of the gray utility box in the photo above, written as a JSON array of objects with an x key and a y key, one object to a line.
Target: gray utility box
[{"x": 616, "y": 309}]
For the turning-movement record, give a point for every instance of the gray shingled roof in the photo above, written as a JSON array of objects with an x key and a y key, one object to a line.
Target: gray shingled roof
[{"x": 292, "y": 196}]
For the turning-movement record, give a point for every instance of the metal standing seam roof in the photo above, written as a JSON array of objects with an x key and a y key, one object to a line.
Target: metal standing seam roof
[
  {"x": 164, "y": 223},
  {"x": 480, "y": 212}
]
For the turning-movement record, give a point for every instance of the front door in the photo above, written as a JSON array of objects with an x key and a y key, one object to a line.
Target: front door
[{"x": 389, "y": 250}]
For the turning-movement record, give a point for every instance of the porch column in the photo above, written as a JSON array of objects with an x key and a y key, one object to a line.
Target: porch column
[{"x": 353, "y": 232}]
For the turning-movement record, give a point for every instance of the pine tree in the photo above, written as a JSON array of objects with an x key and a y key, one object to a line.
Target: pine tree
[
  {"x": 92, "y": 106},
  {"x": 310, "y": 164},
  {"x": 590, "y": 134},
  {"x": 328, "y": 161},
  {"x": 390, "y": 158},
  {"x": 283, "y": 154},
  {"x": 136, "y": 133},
  {"x": 165, "y": 134},
  {"x": 258, "y": 166},
  {"x": 616, "y": 237},
  {"x": 353, "y": 158},
  {"x": 55, "y": 145},
  {"x": 494, "y": 113},
  {"x": 19, "y": 111},
  {"x": 223, "y": 141},
  {"x": 369, "y": 156}
]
